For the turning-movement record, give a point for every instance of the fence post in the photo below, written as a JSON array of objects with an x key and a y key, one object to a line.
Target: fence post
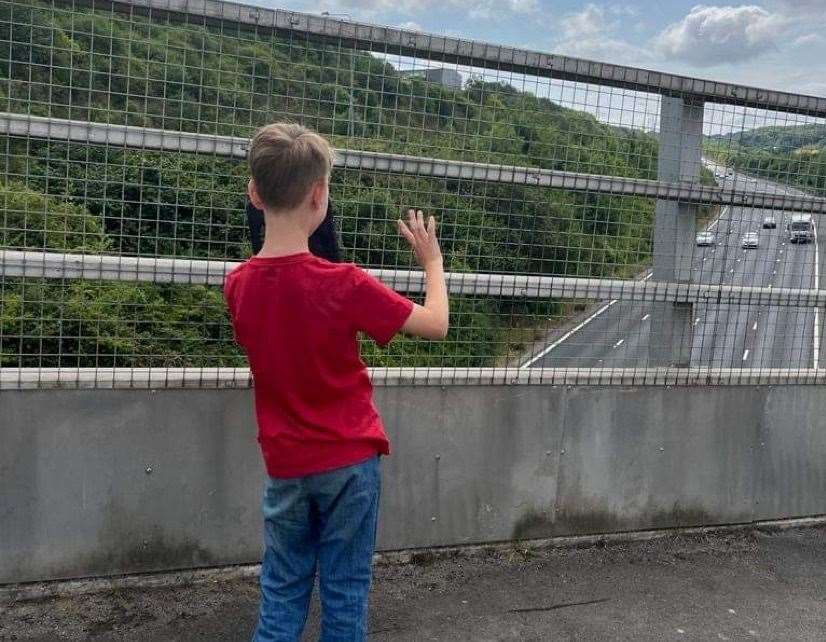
[{"x": 680, "y": 150}]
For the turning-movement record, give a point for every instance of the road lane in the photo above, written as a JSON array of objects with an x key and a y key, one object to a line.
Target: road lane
[{"x": 724, "y": 335}]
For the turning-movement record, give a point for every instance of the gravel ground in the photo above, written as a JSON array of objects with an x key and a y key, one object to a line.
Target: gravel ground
[{"x": 767, "y": 586}]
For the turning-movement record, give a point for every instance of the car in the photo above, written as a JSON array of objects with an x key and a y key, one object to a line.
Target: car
[
  {"x": 750, "y": 240},
  {"x": 769, "y": 222},
  {"x": 704, "y": 239}
]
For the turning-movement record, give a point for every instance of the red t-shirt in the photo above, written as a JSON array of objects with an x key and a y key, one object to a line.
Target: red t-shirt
[{"x": 298, "y": 318}]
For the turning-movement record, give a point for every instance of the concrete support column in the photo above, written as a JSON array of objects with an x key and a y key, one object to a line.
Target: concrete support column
[{"x": 681, "y": 137}]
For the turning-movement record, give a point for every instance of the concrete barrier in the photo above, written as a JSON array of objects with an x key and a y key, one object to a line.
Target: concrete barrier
[{"x": 120, "y": 481}]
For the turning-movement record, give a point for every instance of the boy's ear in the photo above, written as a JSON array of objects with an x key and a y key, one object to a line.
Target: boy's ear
[
  {"x": 255, "y": 199},
  {"x": 319, "y": 195}
]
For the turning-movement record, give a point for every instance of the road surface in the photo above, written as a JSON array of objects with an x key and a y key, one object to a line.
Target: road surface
[{"x": 616, "y": 333}]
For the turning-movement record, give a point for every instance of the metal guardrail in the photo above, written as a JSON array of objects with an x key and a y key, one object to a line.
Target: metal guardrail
[
  {"x": 475, "y": 53},
  {"x": 236, "y": 147},
  {"x": 52, "y": 265},
  {"x": 156, "y": 378}
]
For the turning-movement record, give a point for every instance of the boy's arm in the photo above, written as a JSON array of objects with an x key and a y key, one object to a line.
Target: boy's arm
[{"x": 430, "y": 320}]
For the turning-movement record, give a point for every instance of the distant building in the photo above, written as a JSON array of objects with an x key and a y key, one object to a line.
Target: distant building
[{"x": 447, "y": 77}]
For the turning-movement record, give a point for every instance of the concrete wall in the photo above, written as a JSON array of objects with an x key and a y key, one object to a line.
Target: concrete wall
[{"x": 105, "y": 482}]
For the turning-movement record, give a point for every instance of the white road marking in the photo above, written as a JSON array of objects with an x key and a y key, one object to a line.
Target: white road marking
[
  {"x": 645, "y": 317},
  {"x": 568, "y": 334},
  {"x": 754, "y": 327},
  {"x": 573, "y": 331},
  {"x": 745, "y": 355},
  {"x": 619, "y": 343}
]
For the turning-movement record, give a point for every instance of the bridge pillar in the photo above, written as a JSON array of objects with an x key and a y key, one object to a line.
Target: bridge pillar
[{"x": 680, "y": 150}]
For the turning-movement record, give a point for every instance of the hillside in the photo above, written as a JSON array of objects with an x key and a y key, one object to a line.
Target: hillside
[
  {"x": 778, "y": 139},
  {"x": 793, "y": 155},
  {"x": 106, "y": 67}
]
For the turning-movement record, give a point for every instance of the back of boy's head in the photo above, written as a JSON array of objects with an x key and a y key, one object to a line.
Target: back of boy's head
[{"x": 286, "y": 160}]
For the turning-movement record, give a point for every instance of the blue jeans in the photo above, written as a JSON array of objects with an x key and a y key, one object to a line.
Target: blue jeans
[{"x": 325, "y": 521}]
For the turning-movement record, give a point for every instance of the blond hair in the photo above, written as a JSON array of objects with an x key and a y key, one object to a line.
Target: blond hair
[{"x": 286, "y": 160}]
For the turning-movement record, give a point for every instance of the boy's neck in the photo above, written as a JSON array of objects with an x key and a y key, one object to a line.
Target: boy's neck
[{"x": 283, "y": 236}]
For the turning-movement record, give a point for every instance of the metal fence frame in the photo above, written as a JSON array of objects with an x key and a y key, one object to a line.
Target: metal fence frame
[{"x": 677, "y": 193}]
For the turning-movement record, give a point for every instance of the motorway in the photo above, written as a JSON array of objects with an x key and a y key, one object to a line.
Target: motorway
[{"x": 615, "y": 333}]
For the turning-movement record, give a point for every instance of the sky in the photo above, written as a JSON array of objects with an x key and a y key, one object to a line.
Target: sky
[
  {"x": 772, "y": 44},
  {"x": 776, "y": 44}
]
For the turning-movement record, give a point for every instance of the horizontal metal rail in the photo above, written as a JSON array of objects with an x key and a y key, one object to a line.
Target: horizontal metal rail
[
  {"x": 154, "y": 378},
  {"x": 452, "y": 50},
  {"x": 236, "y": 147},
  {"x": 55, "y": 265}
]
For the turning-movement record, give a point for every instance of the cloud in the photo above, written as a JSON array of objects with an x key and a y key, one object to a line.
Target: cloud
[
  {"x": 807, "y": 40},
  {"x": 591, "y": 33},
  {"x": 412, "y": 25},
  {"x": 588, "y": 23},
  {"x": 380, "y": 9},
  {"x": 710, "y": 36},
  {"x": 488, "y": 9}
]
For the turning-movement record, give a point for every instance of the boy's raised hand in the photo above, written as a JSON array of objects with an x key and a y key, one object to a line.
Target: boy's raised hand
[
  {"x": 422, "y": 238},
  {"x": 430, "y": 320}
]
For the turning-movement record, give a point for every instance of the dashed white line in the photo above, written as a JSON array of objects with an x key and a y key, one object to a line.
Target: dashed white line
[
  {"x": 619, "y": 343},
  {"x": 568, "y": 334},
  {"x": 754, "y": 327},
  {"x": 645, "y": 317},
  {"x": 745, "y": 355},
  {"x": 573, "y": 331}
]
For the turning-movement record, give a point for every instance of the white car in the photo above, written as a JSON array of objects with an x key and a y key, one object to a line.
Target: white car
[
  {"x": 769, "y": 222},
  {"x": 750, "y": 240},
  {"x": 704, "y": 239}
]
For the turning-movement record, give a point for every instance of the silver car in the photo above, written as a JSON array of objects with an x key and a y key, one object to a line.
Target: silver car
[
  {"x": 769, "y": 222},
  {"x": 750, "y": 240}
]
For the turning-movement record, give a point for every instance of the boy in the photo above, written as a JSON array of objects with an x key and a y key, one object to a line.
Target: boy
[{"x": 297, "y": 317}]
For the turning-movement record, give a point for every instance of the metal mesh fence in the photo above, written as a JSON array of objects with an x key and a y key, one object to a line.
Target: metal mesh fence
[{"x": 598, "y": 227}]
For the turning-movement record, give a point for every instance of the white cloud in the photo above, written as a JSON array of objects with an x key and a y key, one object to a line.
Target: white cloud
[
  {"x": 590, "y": 33},
  {"x": 710, "y": 36},
  {"x": 487, "y": 9},
  {"x": 380, "y": 9},
  {"x": 589, "y": 22},
  {"x": 807, "y": 40}
]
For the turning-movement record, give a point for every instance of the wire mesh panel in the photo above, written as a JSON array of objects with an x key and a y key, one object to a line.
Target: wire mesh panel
[{"x": 586, "y": 238}]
